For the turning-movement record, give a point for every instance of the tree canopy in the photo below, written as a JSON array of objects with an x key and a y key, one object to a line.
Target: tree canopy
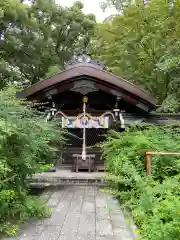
[
  {"x": 35, "y": 37},
  {"x": 141, "y": 44}
]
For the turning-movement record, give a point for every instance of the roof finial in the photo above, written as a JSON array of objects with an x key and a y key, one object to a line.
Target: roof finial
[{"x": 83, "y": 58}]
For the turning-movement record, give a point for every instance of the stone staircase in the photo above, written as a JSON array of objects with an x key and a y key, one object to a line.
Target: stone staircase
[{"x": 64, "y": 176}]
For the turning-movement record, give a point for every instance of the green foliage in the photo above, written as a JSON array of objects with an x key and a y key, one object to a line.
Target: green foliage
[
  {"x": 34, "y": 37},
  {"x": 44, "y": 167},
  {"x": 17, "y": 207},
  {"x": 120, "y": 4},
  {"x": 154, "y": 202},
  {"x": 53, "y": 70},
  {"x": 24, "y": 148},
  {"x": 142, "y": 45},
  {"x": 170, "y": 64}
]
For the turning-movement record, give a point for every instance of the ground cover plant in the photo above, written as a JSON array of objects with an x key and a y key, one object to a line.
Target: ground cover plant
[
  {"x": 24, "y": 149},
  {"x": 154, "y": 202}
]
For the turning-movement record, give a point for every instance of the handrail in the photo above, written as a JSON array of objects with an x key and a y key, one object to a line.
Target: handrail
[
  {"x": 148, "y": 159},
  {"x": 163, "y": 153}
]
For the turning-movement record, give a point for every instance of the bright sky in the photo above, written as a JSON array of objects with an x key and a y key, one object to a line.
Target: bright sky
[{"x": 91, "y": 6}]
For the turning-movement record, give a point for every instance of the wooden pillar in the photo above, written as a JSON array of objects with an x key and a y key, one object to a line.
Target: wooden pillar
[{"x": 148, "y": 164}]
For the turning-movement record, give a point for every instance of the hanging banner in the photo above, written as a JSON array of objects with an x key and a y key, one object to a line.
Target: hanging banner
[{"x": 98, "y": 122}]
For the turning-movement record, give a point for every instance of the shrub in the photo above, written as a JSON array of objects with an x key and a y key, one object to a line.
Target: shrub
[
  {"x": 24, "y": 147},
  {"x": 154, "y": 202}
]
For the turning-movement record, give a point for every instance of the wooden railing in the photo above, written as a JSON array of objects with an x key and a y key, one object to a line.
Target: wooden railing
[{"x": 148, "y": 159}]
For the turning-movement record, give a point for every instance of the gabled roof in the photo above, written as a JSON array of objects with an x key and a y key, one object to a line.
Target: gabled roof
[{"x": 91, "y": 71}]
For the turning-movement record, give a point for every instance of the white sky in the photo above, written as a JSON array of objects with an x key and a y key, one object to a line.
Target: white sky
[{"x": 91, "y": 6}]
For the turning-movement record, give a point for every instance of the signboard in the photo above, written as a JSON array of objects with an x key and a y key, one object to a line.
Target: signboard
[{"x": 98, "y": 122}]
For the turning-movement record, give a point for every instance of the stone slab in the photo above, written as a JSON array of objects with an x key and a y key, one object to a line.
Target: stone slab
[{"x": 79, "y": 212}]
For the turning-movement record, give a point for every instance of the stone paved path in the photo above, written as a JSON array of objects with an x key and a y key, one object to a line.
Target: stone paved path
[{"x": 79, "y": 213}]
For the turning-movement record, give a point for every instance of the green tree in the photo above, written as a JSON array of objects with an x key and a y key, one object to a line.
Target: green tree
[
  {"x": 133, "y": 43},
  {"x": 12, "y": 14},
  {"x": 170, "y": 65},
  {"x": 24, "y": 149},
  {"x": 42, "y": 34}
]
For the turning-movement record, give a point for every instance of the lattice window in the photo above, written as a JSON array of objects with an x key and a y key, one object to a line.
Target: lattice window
[{"x": 93, "y": 136}]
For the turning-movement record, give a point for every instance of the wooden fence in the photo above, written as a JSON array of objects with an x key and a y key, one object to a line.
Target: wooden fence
[{"x": 148, "y": 159}]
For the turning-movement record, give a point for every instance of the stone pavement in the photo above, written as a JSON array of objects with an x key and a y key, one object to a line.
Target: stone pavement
[{"x": 79, "y": 213}]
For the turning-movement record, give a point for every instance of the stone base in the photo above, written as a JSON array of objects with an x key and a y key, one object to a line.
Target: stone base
[
  {"x": 43, "y": 182},
  {"x": 66, "y": 177},
  {"x": 42, "y": 185}
]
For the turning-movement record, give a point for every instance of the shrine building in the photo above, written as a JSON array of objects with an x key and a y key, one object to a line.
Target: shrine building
[{"x": 88, "y": 100}]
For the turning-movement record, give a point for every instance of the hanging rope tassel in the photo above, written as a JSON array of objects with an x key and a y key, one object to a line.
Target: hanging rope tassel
[
  {"x": 85, "y": 99},
  {"x": 121, "y": 120}
]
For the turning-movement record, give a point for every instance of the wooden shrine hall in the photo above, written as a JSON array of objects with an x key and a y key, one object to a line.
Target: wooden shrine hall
[{"x": 88, "y": 100}]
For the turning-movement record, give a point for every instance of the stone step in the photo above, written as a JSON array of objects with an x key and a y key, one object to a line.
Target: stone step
[
  {"x": 64, "y": 176},
  {"x": 43, "y": 183}
]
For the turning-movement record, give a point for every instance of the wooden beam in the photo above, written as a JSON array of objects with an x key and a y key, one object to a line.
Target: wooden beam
[
  {"x": 163, "y": 153},
  {"x": 148, "y": 159}
]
